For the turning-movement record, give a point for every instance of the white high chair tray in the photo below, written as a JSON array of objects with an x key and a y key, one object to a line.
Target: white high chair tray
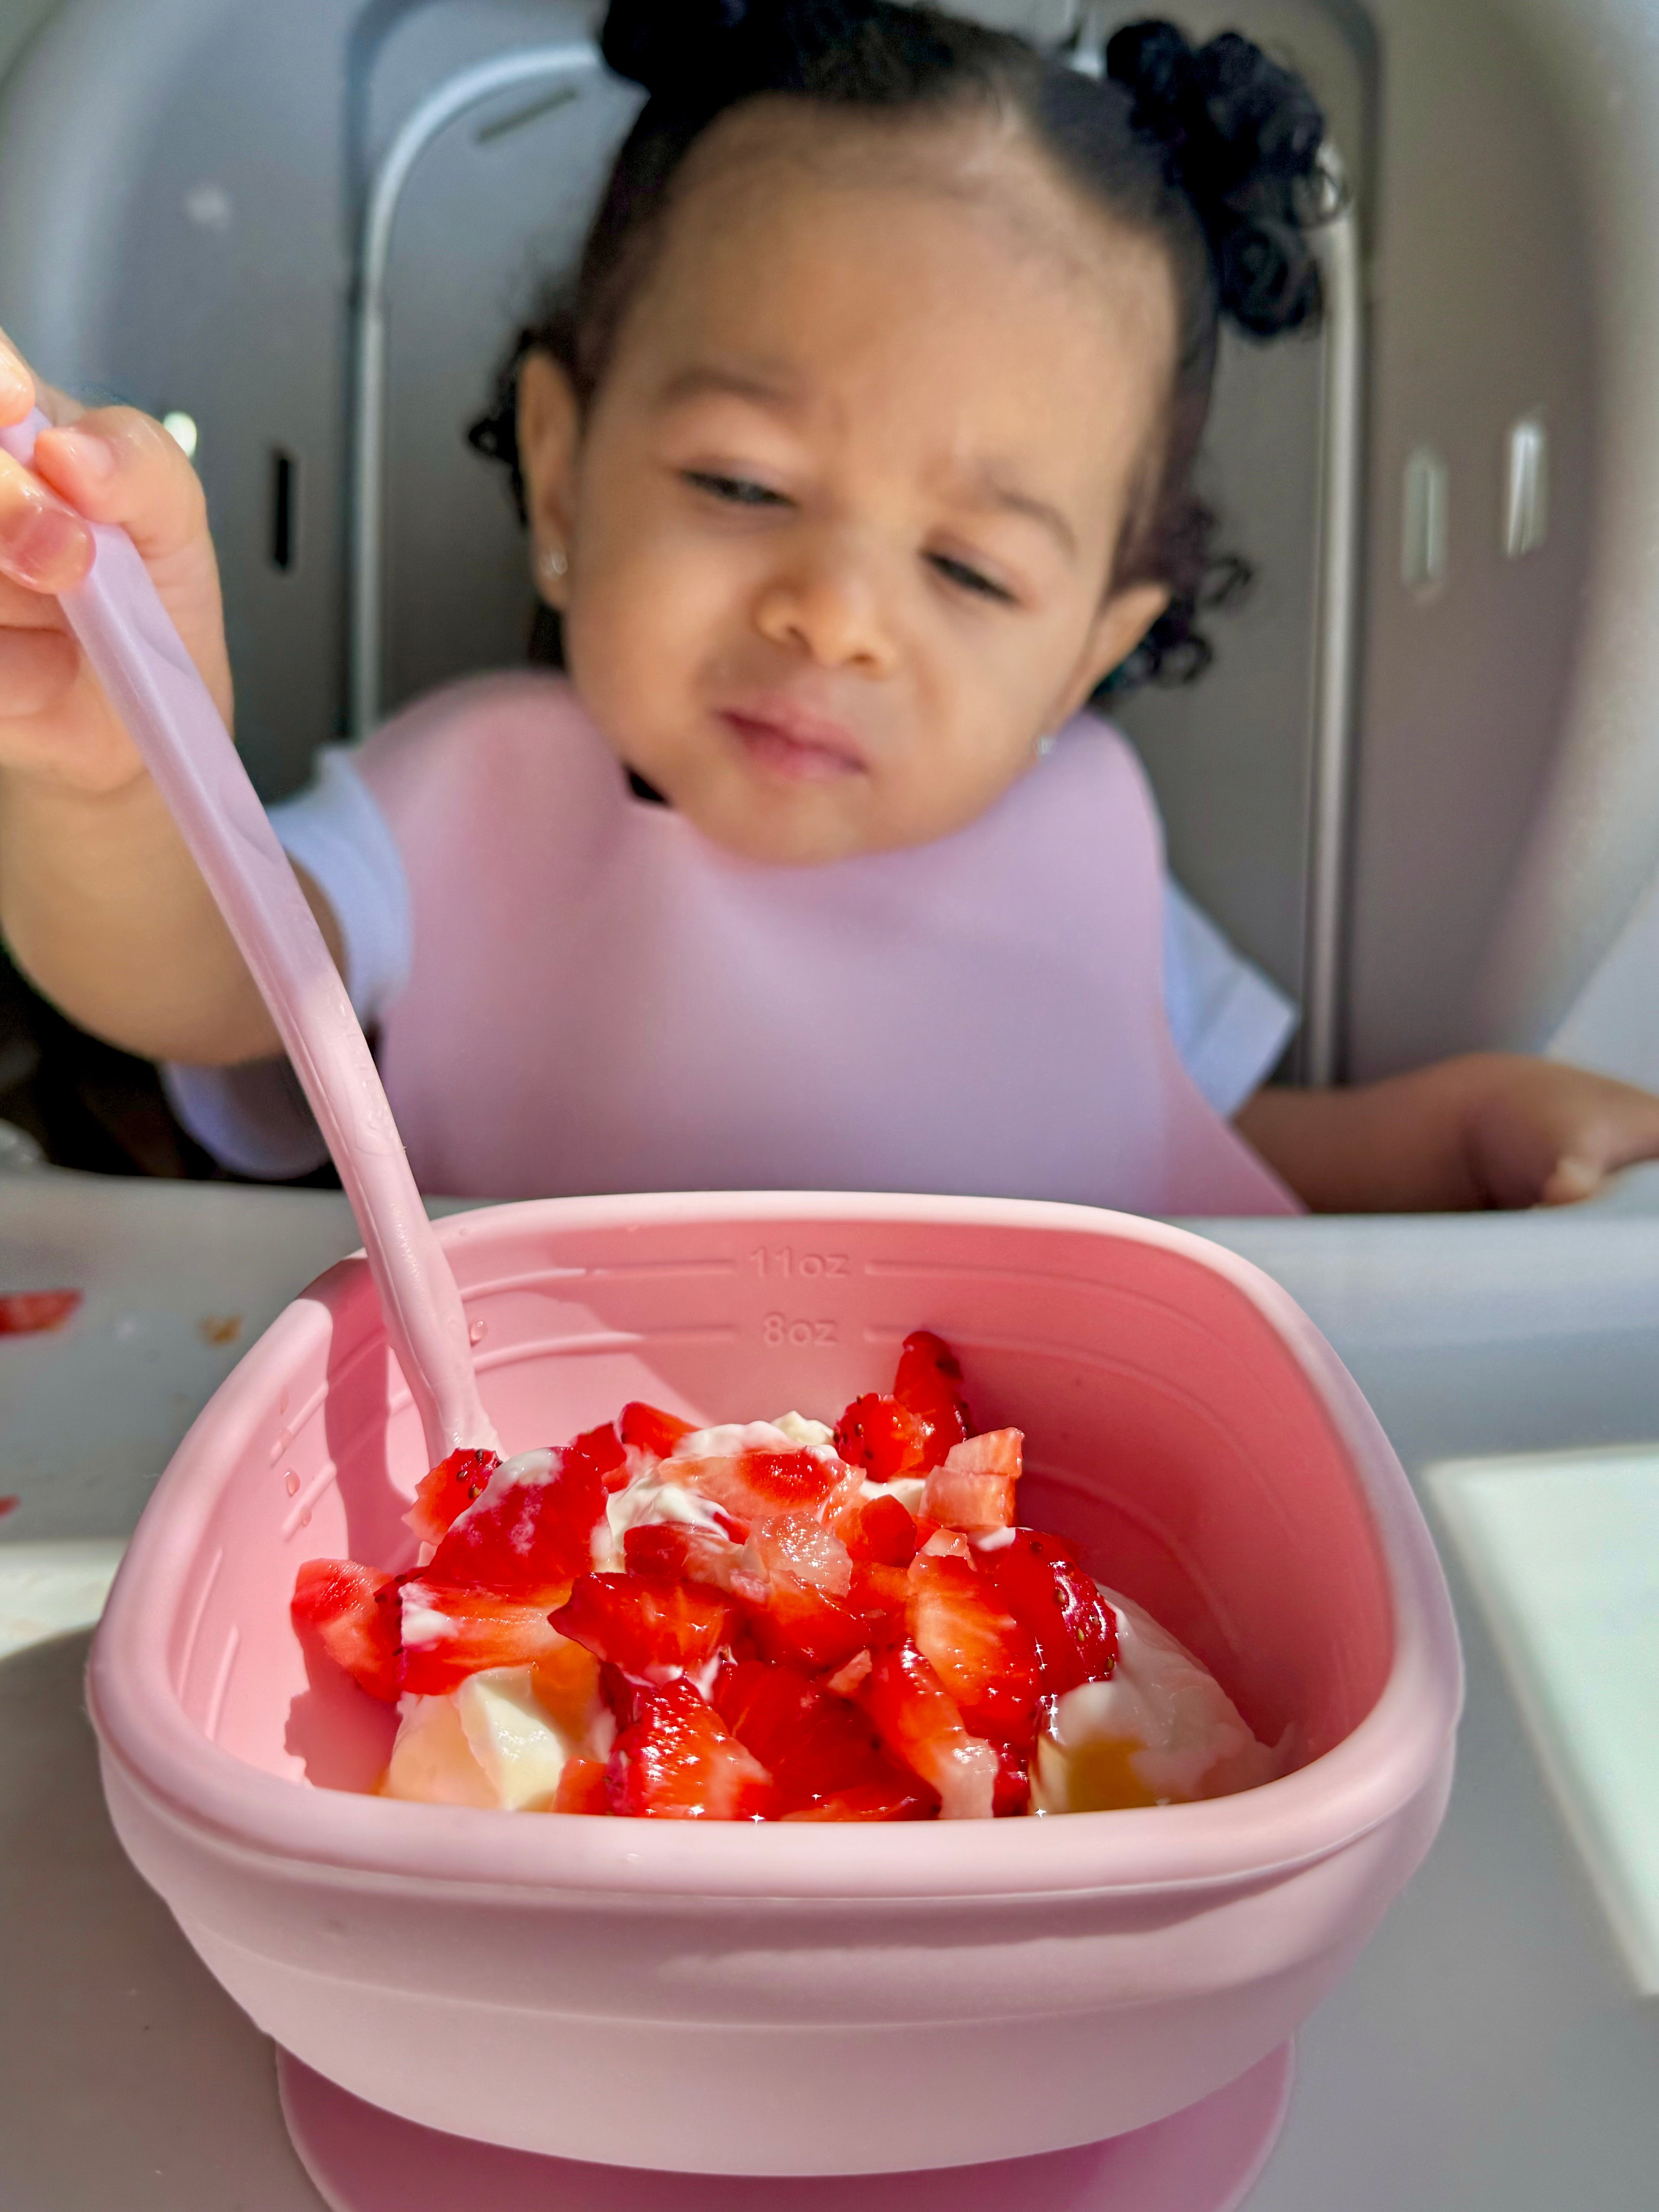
[{"x": 1490, "y": 2050}]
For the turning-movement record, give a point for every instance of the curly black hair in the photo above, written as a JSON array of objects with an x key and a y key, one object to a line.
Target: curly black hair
[{"x": 1211, "y": 151}]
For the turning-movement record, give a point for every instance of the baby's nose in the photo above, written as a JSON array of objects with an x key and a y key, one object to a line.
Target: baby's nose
[{"x": 827, "y": 604}]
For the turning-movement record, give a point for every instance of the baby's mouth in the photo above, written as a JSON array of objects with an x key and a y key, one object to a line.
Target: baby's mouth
[{"x": 786, "y": 742}]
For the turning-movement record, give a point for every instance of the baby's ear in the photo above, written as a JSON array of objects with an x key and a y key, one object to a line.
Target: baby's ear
[
  {"x": 549, "y": 429},
  {"x": 1118, "y": 628}
]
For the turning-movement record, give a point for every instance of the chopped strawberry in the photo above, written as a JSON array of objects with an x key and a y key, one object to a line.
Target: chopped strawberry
[
  {"x": 879, "y": 1529},
  {"x": 927, "y": 1384},
  {"x": 1041, "y": 1580},
  {"x": 582, "y": 1787},
  {"x": 983, "y": 1655},
  {"x": 974, "y": 1488},
  {"x": 648, "y": 1429},
  {"x": 603, "y": 1450},
  {"x": 1012, "y": 1794},
  {"x": 814, "y": 1744},
  {"x": 802, "y": 1627},
  {"x": 449, "y": 1634},
  {"x": 566, "y": 1680},
  {"x": 754, "y": 1486},
  {"x": 917, "y": 1720},
  {"x": 651, "y": 1628},
  {"x": 881, "y": 1438},
  {"x": 673, "y": 1550},
  {"x": 530, "y": 1533},
  {"x": 817, "y": 1631},
  {"x": 799, "y": 1544},
  {"x": 678, "y": 1761},
  {"x": 352, "y": 1613},
  {"x": 31, "y": 1313},
  {"x": 444, "y": 1494},
  {"x": 897, "y": 1796}
]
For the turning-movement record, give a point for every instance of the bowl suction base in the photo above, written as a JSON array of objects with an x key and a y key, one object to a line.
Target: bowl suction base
[{"x": 1205, "y": 2159}]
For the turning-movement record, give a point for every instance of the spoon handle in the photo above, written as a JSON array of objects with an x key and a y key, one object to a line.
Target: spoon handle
[{"x": 153, "y": 684}]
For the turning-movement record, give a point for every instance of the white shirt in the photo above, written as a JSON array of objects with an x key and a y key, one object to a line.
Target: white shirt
[{"x": 1228, "y": 1023}]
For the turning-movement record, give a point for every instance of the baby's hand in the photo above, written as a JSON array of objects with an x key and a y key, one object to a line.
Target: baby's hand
[
  {"x": 111, "y": 465},
  {"x": 1539, "y": 1133}
]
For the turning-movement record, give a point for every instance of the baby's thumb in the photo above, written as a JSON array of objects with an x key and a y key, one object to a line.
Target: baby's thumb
[{"x": 1572, "y": 1178}]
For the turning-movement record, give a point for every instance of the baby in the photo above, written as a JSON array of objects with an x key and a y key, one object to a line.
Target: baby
[{"x": 857, "y": 463}]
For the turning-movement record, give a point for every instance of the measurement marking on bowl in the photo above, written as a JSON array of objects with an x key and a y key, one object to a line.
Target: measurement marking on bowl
[
  {"x": 221, "y": 1682},
  {"x": 563, "y": 1347},
  {"x": 194, "y": 1630},
  {"x": 282, "y": 1447},
  {"x": 667, "y": 1271},
  {"x": 298, "y": 1514}
]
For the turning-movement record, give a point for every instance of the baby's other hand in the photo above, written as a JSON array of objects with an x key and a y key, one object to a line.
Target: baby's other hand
[
  {"x": 113, "y": 466},
  {"x": 1536, "y": 1133}
]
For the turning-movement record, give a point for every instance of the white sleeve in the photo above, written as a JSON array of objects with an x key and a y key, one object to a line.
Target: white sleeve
[
  {"x": 1228, "y": 1023},
  {"x": 254, "y": 1119}
]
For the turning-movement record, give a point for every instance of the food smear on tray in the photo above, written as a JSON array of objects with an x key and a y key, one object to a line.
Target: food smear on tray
[{"x": 769, "y": 1620}]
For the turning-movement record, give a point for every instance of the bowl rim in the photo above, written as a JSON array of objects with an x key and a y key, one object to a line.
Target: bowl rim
[{"x": 1395, "y": 1753}]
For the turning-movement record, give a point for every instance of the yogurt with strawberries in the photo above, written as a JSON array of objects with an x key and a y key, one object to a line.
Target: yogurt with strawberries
[{"x": 769, "y": 1620}]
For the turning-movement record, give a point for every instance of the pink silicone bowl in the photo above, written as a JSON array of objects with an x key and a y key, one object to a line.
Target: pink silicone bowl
[{"x": 794, "y": 1999}]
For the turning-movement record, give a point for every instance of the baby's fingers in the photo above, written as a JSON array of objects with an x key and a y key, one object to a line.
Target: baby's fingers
[
  {"x": 117, "y": 466},
  {"x": 43, "y": 545},
  {"x": 21, "y": 389}
]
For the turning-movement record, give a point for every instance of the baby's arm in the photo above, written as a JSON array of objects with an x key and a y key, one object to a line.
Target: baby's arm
[
  {"x": 100, "y": 901},
  {"x": 1487, "y": 1129}
]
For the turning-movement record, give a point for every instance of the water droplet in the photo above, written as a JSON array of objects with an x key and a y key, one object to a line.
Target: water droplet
[
  {"x": 304, "y": 1518},
  {"x": 279, "y": 1449},
  {"x": 290, "y": 1482},
  {"x": 475, "y": 1333}
]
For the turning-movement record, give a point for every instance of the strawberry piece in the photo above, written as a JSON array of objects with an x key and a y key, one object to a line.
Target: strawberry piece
[
  {"x": 803, "y": 1628},
  {"x": 926, "y": 1385},
  {"x": 444, "y": 1495},
  {"x": 974, "y": 1488},
  {"x": 815, "y": 1745},
  {"x": 650, "y": 1628},
  {"x": 678, "y": 1761},
  {"x": 1012, "y": 1793},
  {"x": 672, "y": 1550},
  {"x": 648, "y": 1429},
  {"x": 799, "y": 1544},
  {"x": 530, "y": 1533},
  {"x": 31, "y": 1313},
  {"x": 980, "y": 1652},
  {"x": 449, "y": 1634},
  {"x": 881, "y": 1438},
  {"x": 602, "y": 1449},
  {"x": 917, "y": 1720},
  {"x": 757, "y": 1486},
  {"x": 817, "y": 1631},
  {"x": 1043, "y": 1583},
  {"x": 582, "y": 1787},
  {"x": 896, "y": 1797},
  {"x": 566, "y": 1681},
  {"x": 878, "y": 1529},
  {"x": 352, "y": 1613}
]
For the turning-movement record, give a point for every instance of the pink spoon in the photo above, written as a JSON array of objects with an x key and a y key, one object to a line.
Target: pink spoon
[{"x": 140, "y": 661}]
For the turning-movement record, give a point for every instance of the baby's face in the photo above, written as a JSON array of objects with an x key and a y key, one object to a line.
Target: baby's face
[{"x": 840, "y": 521}]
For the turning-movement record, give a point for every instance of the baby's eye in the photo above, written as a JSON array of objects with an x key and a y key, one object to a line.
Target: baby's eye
[
  {"x": 736, "y": 491},
  {"x": 968, "y": 579}
]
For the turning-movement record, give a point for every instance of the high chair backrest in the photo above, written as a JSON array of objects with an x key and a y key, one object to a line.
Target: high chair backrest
[{"x": 209, "y": 253}]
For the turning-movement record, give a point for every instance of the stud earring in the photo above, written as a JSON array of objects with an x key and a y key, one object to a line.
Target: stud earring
[
  {"x": 552, "y": 563},
  {"x": 1045, "y": 745}
]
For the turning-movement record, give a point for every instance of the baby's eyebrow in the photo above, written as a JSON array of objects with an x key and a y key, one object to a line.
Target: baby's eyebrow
[
  {"x": 767, "y": 389},
  {"x": 989, "y": 487}
]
